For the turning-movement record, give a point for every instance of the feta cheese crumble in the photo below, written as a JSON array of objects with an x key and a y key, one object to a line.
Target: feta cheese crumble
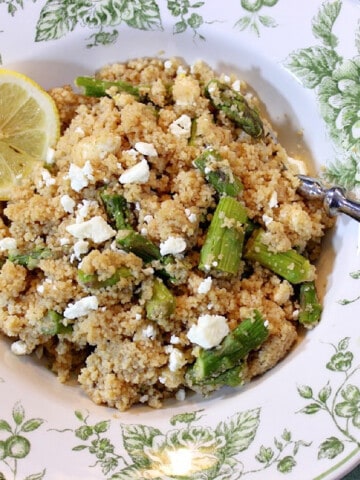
[
  {"x": 47, "y": 178},
  {"x": 147, "y": 149},
  {"x": 181, "y": 127},
  {"x": 82, "y": 307},
  {"x": 209, "y": 331},
  {"x": 139, "y": 173},
  {"x": 7, "y": 243},
  {"x": 176, "y": 358},
  {"x": 67, "y": 203},
  {"x": 172, "y": 246},
  {"x": 81, "y": 247},
  {"x": 95, "y": 229},
  {"x": 80, "y": 177},
  {"x": 205, "y": 286},
  {"x": 192, "y": 217},
  {"x": 273, "y": 200}
]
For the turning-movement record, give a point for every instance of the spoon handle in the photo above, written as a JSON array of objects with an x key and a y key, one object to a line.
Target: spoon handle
[
  {"x": 335, "y": 201},
  {"x": 335, "y": 198}
]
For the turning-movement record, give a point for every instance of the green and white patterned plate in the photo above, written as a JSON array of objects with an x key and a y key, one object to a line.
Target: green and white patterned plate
[{"x": 301, "y": 420}]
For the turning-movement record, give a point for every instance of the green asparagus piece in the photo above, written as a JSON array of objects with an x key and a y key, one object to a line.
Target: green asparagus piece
[
  {"x": 52, "y": 324},
  {"x": 93, "y": 87},
  {"x": 31, "y": 259},
  {"x": 139, "y": 245},
  {"x": 210, "y": 365},
  {"x": 290, "y": 265},
  {"x": 235, "y": 107},
  {"x": 117, "y": 210},
  {"x": 92, "y": 280},
  {"x": 193, "y": 132},
  {"x": 222, "y": 249},
  {"x": 230, "y": 378},
  {"x": 162, "y": 303},
  {"x": 218, "y": 174},
  {"x": 310, "y": 308}
]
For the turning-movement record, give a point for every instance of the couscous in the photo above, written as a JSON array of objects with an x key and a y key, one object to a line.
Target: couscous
[{"x": 163, "y": 247}]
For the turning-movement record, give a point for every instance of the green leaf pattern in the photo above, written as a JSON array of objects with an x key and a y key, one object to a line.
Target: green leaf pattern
[
  {"x": 148, "y": 452},
  {"x": 192, "y": 451},
  {"x": 336, "y": 82},
  {"x": 14, "y": 443},
  {"x": 340, "y": 402},
  {"x": 253, "y": 20}
]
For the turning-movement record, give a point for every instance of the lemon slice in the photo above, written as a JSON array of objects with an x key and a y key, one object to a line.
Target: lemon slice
[{"x": 29, "y": 126}]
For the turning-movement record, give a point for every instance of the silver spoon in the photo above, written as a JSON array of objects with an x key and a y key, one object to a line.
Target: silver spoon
[{"x": 334, "y": 198}]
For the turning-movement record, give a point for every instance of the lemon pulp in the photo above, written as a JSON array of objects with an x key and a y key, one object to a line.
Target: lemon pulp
[{"x": 29, "y": 126}]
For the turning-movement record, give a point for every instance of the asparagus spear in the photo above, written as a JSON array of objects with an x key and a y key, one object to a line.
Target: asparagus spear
[
  {"x": 93, "y": 87},
  {"x": 310, "y": 308},
  {"x": 141, "y": 246},
  {"x": 193, "y": 132},
  {"x": 52, "y": 324},
  {"x": 92, "y": 280},
  {"x": 215, "y": 367},
  {"x": 235, "y": 107},
  {"x": 290, "y": 265},
  {"x": 223, "y": 245},
  {"x": 31, "y": 259},
  {"x": 117, "y": 210},
  {"x": 218, "y": 174},
  {"x": 162, "y": 303}
]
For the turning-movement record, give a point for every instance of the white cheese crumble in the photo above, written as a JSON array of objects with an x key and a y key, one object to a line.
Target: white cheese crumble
[
  {"x": 176, "y": 358},
  {"x": 79, "y": 177},
  {"x": 40, "y": 289},
  {"x": 83, "y": 209},
  {"x": 297, "y": 166},
  {"x": 139, "y": 173},
  {"x": 172, "y": 246},
  {"x": 50, "y": 156},
  {"x": 7, "y": 243},
  {"x": 174, "y": 339},
  {"x": 267, "y": 219},
  {"x": 192, "y": 217},
  {"x": 95, "y": 229},
  {"x": 273, "y": 200},
  {"x": 147, "y": 149},
  {"x": 168, "y": 64},
  {"x": 81, "y": 307},
  {"x": 81, "y": 247},
  {"x": 209, "y": 331},
  {"x": 205, "y": 285},
  {"x": 47, "y": 178},
  {"x": 181, "y": 127},
  {"x": 149, "y": 332},
  {"x": 19, "y": 347},
  {"x": 67, "y": 203}
]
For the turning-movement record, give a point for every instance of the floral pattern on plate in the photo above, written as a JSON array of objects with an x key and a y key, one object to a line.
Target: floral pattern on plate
[{"x": 191, "y": 444}]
